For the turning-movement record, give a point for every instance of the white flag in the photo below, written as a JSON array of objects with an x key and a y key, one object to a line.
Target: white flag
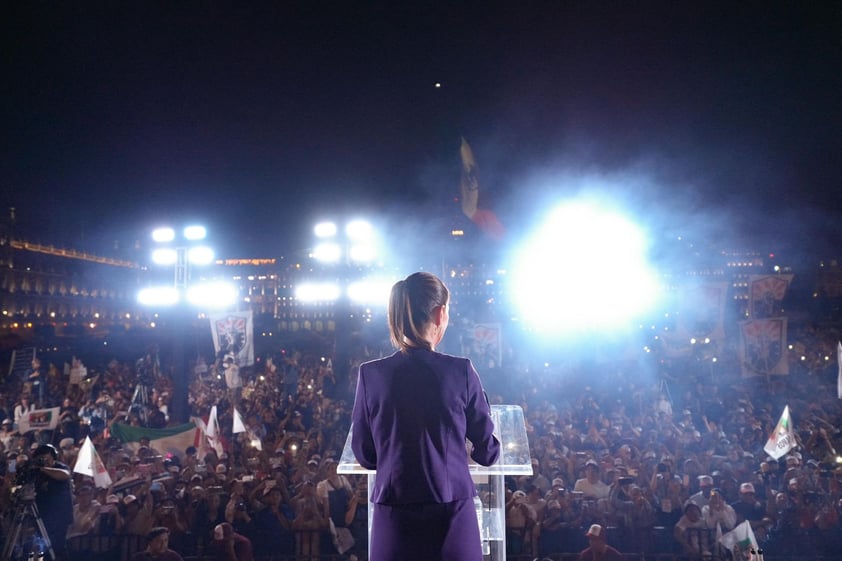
[
  {"x": 89, "y": 463},
  {"x": 212, "y": 432},
  {"x": 839, "y": 367},
  {"x": 239, "y": 426},
  {"x": 782, "y": 439},
  {"x": 740, "y": 541}
]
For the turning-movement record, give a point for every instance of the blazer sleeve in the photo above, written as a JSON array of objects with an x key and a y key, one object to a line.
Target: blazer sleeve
[
  {"x": 479, "y": 425},
  {"x": 362, "y": 441}
]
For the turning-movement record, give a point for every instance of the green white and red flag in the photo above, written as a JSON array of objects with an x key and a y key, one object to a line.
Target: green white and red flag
[
  {"x": 782, "y": 439},
  {"x": 89, "y": 463}
]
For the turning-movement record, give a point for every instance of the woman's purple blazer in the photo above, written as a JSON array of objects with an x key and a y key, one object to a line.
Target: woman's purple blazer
[{"x": 412, "y": 414}]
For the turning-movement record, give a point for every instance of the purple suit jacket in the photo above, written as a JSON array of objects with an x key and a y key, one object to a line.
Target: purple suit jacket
[{"x": 412, "y": 414}]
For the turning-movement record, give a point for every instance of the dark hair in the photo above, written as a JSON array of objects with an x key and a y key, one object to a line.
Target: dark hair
[
  {"x": 46, "y": 449},
  {"x": 411, "y": 306},
  {"x": 155, "y": 532},
  {"x": 688, "y": 506}
]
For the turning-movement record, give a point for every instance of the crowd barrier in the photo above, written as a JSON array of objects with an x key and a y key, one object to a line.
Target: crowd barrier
[{"x": 310, "y": 546}]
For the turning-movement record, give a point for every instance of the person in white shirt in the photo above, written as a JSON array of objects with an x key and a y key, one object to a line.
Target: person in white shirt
[
  {"x": 592, "y": 487},
  {"x": 717, "y": 511},
  {"x": 702, "y": 498},
  {"x": 23, "y": 408},
  {"x": 233, "y": 381}
]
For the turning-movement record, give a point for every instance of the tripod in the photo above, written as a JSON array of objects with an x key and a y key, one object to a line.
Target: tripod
[
  {"x": 140, "y": 402},
  {"x": 27, "y": 512}
]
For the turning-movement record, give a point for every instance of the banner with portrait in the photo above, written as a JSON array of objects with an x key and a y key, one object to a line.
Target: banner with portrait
[
  {"x": 39, "y": 419},
  {"x": 233, "y": 334},
  {"x": 766, "y": 295},
  {"x": 763, "y": 347}
]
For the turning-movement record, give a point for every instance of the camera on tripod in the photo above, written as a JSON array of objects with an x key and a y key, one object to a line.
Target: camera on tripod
[{"x": 23, "y": 489}]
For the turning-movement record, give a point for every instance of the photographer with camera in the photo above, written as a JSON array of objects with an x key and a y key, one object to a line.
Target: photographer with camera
[{"x": 53, "y": 494}]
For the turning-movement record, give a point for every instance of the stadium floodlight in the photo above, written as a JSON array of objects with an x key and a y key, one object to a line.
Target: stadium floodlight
[
  {"x": 325, "y": 229},
  {"x": 359, "y": 230},
  {"x": 163, "y": 235},
  {"x": 371, "y": 292},
  {"x": 327, "y": 252},
  {"x": 200, "y": 255},
  {"x": 195, "y": 233},
  {"x": 164, "y": 256},
  {"x": 362, "y": 253},
  {"x": 181, "y": 251}
]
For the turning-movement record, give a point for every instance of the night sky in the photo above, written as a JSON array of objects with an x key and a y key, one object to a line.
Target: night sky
[{"x": 707, "y": 119}]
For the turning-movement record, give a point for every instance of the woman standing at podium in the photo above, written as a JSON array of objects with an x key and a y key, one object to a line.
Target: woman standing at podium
[{"x": 412, "y": 413}]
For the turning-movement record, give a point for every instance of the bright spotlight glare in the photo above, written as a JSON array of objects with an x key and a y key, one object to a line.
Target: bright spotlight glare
[
  {"x": 362, "y": 253},
  {"x": 158, "y": 296},
  {"x": 584, "y": 268},
  {"x": 317, "y": 292},
  {"x": 359, "y": 230},
  {"x": 325, "y": 230},
  {"x": 196, "y": 232},
  {"x": 371, "y": 292},
  {"x": 327, "y": 252},
  {"x": 164, "y": 256},
  {"x": 201, "y": 255},
  {"x": 163, "y": 235},
  {"x": 212, "y": 295}
]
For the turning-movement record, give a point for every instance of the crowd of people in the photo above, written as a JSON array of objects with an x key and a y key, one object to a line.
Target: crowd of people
[{"x": 659, "y": 466}]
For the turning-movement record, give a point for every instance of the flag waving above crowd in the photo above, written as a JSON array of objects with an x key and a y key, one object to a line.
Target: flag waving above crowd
[
  {"x": 89, "y": 463},
  {"x": 469, "y": 189},
  {"x": 782, "y": 439}
]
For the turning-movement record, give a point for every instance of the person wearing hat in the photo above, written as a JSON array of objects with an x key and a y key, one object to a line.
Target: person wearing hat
[
  {"x": 717, "y": 511},
  {"x": 273, "y": 523},
  {"x": 591, "y": 485},
  {"x": 520, "y": 521},
  {"x": 748, "y": 507},
  {"x": 68, "y": 450},
  {"x": 137, "y": 511},
  {"x": 228, "y": 545},
  {"x": 85, "y": 512},
  {"x": 53, "y": 493},
  {"x": 157, "y": 547},
  {"x": 7, "y": 433},
  {"x": 702, "y": 498},
  {"x": 554, "y": 525},
  {"x": 598, "y": 548}
]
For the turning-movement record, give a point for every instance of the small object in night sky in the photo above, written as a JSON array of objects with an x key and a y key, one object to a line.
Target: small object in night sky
[{"x": 437, "y": 85}]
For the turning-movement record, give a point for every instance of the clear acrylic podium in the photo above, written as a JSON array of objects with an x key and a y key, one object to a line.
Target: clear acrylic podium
[{"x": 510, "y": 429}]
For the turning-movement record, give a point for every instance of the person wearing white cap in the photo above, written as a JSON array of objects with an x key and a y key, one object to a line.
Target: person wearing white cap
[
  {"x": 591, "y": 485},
  {"x": 227, "y": 544},
  {"x": 599, "y": 550},
  {"x": 751, "y": 509},
  {"x": 717, "y": 511},
  {"x": 520, "y": 519},
  {"x": 702, "y": 498}
]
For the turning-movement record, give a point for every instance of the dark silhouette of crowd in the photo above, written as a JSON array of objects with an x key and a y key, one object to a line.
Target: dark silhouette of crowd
[{"x": 662, "y": 463}]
